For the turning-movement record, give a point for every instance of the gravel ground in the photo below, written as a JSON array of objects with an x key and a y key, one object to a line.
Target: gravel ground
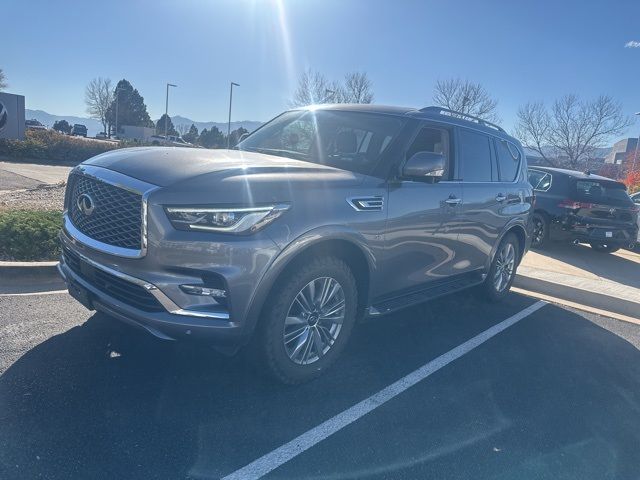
[{"x": 42, "y": 197}]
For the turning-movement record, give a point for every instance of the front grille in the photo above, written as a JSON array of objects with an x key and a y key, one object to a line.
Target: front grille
[
  {"x": 116, "y": 218},
  {"x": 119, "y": 288}
]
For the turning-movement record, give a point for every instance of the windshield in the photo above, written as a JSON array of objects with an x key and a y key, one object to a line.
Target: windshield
[
  {"x": 601, "y": 192},
  {"x": 351, "y": 141}
]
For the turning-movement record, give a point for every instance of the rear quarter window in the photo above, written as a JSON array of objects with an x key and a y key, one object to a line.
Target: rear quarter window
[
  {"x": 540, "y": 181},
  {"x": 508, "y": 160}
]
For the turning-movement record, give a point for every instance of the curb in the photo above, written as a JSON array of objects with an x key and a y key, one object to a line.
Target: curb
[
  {"x": 577, "y": 295},
  {"x": 17, "y": 273}
]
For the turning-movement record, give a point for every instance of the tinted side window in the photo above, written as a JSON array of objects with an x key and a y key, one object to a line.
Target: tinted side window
[
  {"x": 431, "y": 140},
  {"x": 508, "y": 160},
  {"x": 539, "y": 180},
  {"x": 475, "y": 156}
]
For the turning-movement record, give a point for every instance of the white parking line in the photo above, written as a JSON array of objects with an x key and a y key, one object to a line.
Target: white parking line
[
  {"x": 295, "y": 447},
  {"x": 51, "y": 292}
]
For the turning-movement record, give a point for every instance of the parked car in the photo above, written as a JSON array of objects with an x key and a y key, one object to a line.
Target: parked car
[
  {"x": 583, "y": 208},
  {"x": 636, "y": 199},
  {"x": 34, "y": 124},
  {"x": 170, "y": 141},
  {"x": 79, "y": 130},
  {"x": 101, "y": 135},
  {"x": 321, "y": 216}
]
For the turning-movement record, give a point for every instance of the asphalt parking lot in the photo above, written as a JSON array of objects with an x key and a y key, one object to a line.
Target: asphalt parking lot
[{"x": 554, "y": 395}]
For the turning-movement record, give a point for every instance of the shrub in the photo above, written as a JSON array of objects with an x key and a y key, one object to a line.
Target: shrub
[
  {"x": 29, "y": 234},
  {"x": 53, "y": 146}
]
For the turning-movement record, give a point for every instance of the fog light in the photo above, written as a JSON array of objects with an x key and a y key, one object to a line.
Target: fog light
[{"x": 204, "y": 291}]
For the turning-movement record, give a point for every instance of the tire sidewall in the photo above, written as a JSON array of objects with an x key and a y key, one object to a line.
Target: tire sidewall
[
  {"x": 273, "y": 322},
  {"x": 490, "y": 288},
  {"x": 545, "y": 232}
]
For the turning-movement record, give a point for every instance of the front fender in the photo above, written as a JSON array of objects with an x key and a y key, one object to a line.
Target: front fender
[{"x": 308, "y": 239}]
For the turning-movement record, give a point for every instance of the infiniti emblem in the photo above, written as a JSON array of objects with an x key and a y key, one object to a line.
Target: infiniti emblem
[
  {"x": 85, "y": 204},
  {"x": 612, "y": 211}
]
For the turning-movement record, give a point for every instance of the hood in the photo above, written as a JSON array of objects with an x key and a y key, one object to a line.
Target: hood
[{"x": 169, "y": 166}]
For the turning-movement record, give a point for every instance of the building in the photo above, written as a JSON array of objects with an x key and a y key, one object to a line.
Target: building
[
  {"x": 11, "y": 116},
  {"x": 621, "y": 151},
  {"x": 130, "y": 132}
]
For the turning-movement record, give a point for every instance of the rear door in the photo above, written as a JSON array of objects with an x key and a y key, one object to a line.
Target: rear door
[{"x": 483, "y": 197}]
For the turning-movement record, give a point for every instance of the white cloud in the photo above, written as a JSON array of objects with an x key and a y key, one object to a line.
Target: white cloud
[{"x": 632, "y": 44}]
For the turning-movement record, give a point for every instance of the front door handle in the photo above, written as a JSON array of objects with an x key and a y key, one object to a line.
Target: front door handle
[
  {"x": 453, "y": 200},
  {"x": 500, "y": 198}
]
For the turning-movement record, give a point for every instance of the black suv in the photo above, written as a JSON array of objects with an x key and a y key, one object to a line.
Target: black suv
[
  {"x": 320, "y": 216},
  {"x": 583, "y": 208},
  {"x": 79, "y": 130}
]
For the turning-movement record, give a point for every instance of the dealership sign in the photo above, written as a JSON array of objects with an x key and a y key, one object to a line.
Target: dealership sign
[{"x": 11, "y": 116}]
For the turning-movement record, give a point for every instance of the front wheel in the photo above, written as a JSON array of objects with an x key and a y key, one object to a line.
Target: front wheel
[
  {"x": 503, "y": 269},
  {"x": 604, "y": 247},
  {"x": 307, "y": 324}
]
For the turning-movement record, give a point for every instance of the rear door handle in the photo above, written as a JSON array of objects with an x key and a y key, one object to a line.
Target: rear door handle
[
  {"x": 452, "y": 200},
  {"x": 500, "y": 198}
]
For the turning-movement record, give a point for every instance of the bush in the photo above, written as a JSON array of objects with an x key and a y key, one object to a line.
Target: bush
[
  {"x": 29, "y": 235},
  {"x": 53, "y": 146}
]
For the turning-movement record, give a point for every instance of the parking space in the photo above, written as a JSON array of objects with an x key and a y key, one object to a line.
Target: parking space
[{"x": 555, "y": 395}]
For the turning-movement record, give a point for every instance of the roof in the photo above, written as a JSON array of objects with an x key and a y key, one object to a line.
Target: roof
[
  {"x": 362, "y": 107},
  {"x": 428, "y": 113},
  {"x": 572, "y": 173}
]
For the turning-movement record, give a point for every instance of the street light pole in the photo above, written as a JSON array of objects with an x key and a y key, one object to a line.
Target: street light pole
[
  {"x": 635, "y": 155},
  {"x": 166, "y": 110},
  {"x": 229, "y": 122}
]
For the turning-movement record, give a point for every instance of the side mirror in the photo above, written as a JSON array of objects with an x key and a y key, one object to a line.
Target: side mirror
[{"x": 424, "y": 164}]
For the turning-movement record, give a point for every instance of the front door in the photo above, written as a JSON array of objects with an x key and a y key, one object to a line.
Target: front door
[{"x": 421, "y": 235}]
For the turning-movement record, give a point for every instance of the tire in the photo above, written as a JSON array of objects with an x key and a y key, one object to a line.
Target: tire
[
  {"x": 540, "y": 235},
  {"x": 278, "y": 341},
  {"x": 604, "y": 248},
  {"x": 494, "y": 291}
]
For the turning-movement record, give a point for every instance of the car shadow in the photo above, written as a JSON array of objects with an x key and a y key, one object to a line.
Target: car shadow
[
  {"x": 621, "y": 267},
  {"x": 102, "y": 400}
]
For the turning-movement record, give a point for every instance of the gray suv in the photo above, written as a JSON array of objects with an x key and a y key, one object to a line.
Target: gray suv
[{"x": 322, "y": 216}]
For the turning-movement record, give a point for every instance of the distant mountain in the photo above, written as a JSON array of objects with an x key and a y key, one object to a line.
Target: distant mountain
[
  {"x": 94, "y": 126},
  {"x": 549, "y": 151},
  {"x": 249, "y": 125}
]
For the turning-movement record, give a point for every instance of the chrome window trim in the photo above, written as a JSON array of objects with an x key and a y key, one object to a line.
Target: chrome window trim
[
  {"x": 125, "y": 182},
  {"x": 165, "y": 301}
]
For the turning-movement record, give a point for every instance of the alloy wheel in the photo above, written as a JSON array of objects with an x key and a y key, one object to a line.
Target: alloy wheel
[
  {"x": 314, "y": 320},
  {"x": 505, "y": 266}
]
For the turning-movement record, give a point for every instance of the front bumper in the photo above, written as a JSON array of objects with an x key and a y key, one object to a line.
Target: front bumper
[{"x": 167, "y": 321}]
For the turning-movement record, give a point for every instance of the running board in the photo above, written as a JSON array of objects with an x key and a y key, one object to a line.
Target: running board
[{"x": 440, "y": 289}]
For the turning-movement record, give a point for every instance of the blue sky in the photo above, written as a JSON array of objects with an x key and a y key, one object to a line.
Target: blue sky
[{"x": 518, "y": 50}]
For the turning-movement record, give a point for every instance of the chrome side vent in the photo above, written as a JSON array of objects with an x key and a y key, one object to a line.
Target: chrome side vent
[{"x": 366, "y": 204}]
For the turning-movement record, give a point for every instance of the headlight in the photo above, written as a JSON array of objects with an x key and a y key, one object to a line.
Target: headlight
[{"x": 229, "y": 220}]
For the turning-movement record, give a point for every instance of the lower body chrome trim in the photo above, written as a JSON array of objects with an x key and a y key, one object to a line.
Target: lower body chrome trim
[{"x": 165, "y": 301}]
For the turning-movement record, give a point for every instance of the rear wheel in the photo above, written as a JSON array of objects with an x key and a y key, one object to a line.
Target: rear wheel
[
  {"x": 540, "y": 235},
  {"x": 503, "y": 269},
  {"x": 308, "y": 322},
  {"x": 604, "y": 247}
]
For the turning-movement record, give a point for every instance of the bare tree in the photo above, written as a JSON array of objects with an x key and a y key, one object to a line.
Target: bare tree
[
  {"x": 98, "y": 97},
  {"x": 569, "y": 134},
  {"x": 314, "y": 88},
  {"x": 3, "y": 80},
  {"x": 182, "y": 129},
  {"x": 358, "y": 88},
  {"x": 466, "y": 97}
]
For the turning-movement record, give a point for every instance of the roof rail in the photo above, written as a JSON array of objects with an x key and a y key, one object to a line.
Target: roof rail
[{"x": 453, "y": 113}]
